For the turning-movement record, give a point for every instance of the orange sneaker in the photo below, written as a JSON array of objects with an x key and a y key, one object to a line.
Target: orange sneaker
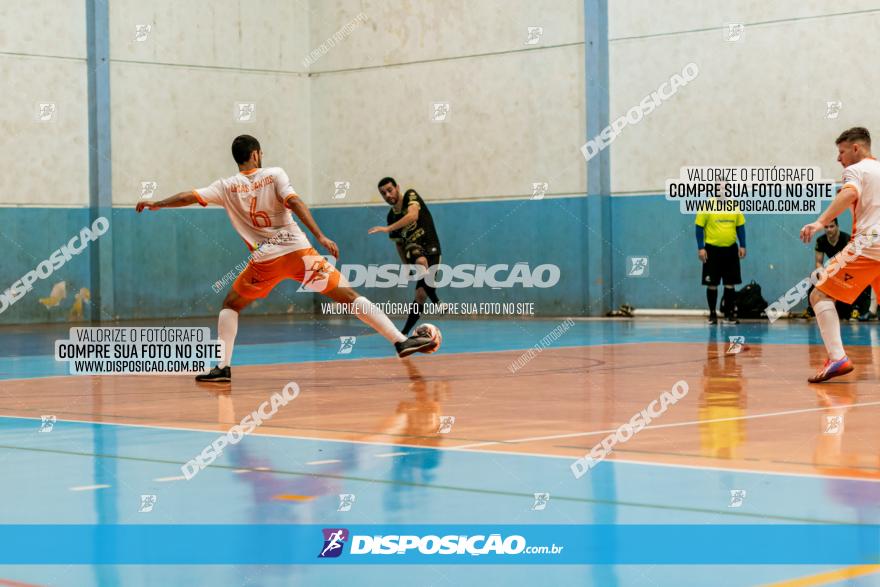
[{"x": 832, "y": 369}]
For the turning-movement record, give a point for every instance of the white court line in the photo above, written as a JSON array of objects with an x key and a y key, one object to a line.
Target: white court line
[
  {"x": 658, "y": 426},
  {"x": 88, "y": 487},
  {"x": 386, "y": 455},
  {"x": 327, "y": 462},
  {"x": 168, "y": 479},
  {"x": 625, "y": 461}
]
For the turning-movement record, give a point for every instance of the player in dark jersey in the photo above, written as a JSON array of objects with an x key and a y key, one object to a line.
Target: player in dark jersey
[{"x": 411, "y": 227}]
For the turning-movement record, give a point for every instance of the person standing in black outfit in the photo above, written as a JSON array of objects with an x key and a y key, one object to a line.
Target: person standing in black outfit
[{"x": 411, "y": 227}]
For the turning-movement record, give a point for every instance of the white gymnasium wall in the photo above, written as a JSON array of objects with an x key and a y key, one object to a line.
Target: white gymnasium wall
[
  {"x": 43, "y": 60},
  {"x": 516, "y": 110},
  {"x": 760, "y": 100},
  {"x": 174, "y": 94}
]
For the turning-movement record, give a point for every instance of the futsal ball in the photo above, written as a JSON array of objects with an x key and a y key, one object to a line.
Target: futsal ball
[{"x": 433, "y": 332}]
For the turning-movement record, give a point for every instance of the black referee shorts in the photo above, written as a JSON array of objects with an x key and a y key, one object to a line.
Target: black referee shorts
[
  {"x": 722, "y": 264},
  {"x": 413, "y": 251}
]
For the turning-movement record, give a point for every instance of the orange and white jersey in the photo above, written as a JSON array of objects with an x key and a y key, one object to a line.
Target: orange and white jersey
[
  {"x": 864, "y": 176},
  {"x": 254, "y": 201}
]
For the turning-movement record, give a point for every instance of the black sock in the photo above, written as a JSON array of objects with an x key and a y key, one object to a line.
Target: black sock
[
  {"x": 413, "y": 317},
  {"x": 712, "y": 298},
  {"x": 727, "y": 303}
]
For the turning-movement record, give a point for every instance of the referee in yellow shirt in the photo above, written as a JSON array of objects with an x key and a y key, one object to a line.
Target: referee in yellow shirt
[{"x": 717, "y": 235}]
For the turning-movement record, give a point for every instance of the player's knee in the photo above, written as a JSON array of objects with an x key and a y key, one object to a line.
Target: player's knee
[
  {"x": 421, "y": 296},
  {"x": 235, "y": 302},
  {"x": 712, "y": 287},
  {"x": 817, "y": 296}
]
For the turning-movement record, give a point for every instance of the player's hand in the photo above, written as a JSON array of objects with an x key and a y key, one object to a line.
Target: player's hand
[
  {"x": 148, "y": 205},
  {"x": 329, "y": 245},
  {"x": 377, "y": 229},
  {"x": 742, "y": 252},
  {"x": 702, "y": 255},
  {"x": 809, "y": 230}
]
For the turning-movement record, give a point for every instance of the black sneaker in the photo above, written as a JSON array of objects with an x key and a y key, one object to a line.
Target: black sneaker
[
  {"x": 713, "y": 318},
  {"x": 413, "y": 344},
  {"x": 216, "y": 375},
  {"x": 731, "y": 319}
]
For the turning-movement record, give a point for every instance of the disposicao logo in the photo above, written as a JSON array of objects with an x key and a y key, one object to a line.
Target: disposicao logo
[{"x": 334, "y": 540}]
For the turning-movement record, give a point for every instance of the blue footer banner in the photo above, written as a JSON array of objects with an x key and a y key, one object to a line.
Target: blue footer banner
[{"x": 436, "y": 544}]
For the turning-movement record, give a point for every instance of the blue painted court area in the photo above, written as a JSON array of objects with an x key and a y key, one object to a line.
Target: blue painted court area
[
  {"x": 84, "y": 473},
  {"x": 29, "y": 353},
  {"x": 394, "y": 484},
  {"x": 96, "y": 474}
]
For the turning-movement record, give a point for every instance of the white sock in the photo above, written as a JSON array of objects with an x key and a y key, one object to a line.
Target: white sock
[
  {"x": 227, "y": 328},
  {"x": 370, "y": 314},
  {"x": 829, "y": 327},
  {"x": 873, "y": 307}
]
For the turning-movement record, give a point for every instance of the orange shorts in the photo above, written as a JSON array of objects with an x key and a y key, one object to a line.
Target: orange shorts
[
  {"x": 306, "y": 266},
  {"x": 851, "y": 279}
]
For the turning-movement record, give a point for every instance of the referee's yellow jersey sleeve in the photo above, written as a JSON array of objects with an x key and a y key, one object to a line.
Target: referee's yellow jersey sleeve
[
  {"x": 740, "y": 219},
  {"x": 702, "y": 219}
]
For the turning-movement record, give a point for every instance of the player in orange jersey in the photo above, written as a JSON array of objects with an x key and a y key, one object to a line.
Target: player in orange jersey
[
  {"x": 259, "y": 201},
  {"x": 857, "y": 266}
]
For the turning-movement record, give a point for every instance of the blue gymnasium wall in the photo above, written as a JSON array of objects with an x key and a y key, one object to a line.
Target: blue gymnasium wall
[
  {"x": 166, "y": 262},
  {"x": 193, "y": 248},
  {"x": 649, "y": 225},
  {"x": 28, "y": 236},
  {"x": 488, "y": 233}
]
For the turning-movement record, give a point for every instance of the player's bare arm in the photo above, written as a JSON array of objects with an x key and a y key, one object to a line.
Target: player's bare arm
[
  {"x": 175, "y": 201},
  {"x": 843, "y": 200},
  {"x": 295, "y": 204},
  {"x": 412, "y": 214}
]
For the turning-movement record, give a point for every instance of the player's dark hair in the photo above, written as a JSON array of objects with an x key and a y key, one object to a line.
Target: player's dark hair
[
  {"x": 242, "y": 147},
  {"x": 856, "y": 134},
  {"x": 385, "y": 180}
]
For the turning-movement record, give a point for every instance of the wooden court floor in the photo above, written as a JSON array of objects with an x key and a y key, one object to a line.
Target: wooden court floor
[{"x": 751, "y": 410}]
